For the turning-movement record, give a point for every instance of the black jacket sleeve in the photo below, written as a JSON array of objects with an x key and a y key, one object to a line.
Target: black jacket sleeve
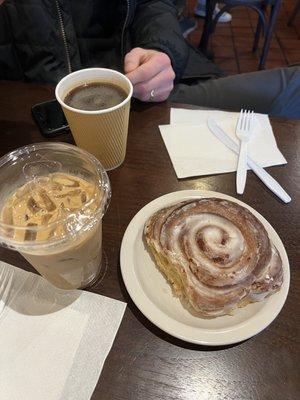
[{"x": 155, "y": 26}]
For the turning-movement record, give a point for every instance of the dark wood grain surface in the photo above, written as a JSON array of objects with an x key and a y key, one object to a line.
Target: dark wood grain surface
[{"x": 145, "y": 363}]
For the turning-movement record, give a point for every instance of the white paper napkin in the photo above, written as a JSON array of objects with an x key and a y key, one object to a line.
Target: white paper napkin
[
  {"x": 53, "y": 342},
  {"x": 195, "y": 151}
]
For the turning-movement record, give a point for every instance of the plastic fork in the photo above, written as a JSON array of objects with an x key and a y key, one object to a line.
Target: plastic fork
[{"x": 244, "y": 129}]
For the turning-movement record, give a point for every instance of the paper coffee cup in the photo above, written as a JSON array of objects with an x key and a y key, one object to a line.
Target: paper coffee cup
[{"x": 103, "y": 132}]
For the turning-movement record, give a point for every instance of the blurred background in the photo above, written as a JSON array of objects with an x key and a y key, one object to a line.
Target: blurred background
[{"x": 232, "y": 41}]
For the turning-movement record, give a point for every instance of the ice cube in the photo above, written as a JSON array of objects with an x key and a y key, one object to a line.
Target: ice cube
[
  {"x": 50, "y": 206},
  {"x": 71, "y": 193},
  {"x": 33, "y": 205},
  {"x": 83, "y": 197},
  {"x": 30, "y": 235},
  {"x": 66, "y": 182},
  {"x": 46, "y": 218}
]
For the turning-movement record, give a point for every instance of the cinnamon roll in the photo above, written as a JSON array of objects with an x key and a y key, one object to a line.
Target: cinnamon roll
[{"x": 215, "y": 254}]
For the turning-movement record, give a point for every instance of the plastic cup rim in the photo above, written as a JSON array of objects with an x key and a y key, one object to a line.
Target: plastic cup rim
[{"x": 98, "y": 214}]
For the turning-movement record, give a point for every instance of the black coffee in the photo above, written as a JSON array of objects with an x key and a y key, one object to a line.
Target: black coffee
[{"x": 95, "y": 96}]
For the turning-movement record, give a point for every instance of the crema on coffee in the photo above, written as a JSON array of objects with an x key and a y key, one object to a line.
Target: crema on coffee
[{"x": 95, "y": 96}]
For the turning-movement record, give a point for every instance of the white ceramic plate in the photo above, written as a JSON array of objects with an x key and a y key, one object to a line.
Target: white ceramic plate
[{"x": 152, "y": 294}]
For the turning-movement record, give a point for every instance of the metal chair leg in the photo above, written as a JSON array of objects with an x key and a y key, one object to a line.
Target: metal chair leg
[
  {"x": 270, "y": 27},
  {"x": 260, "y": 25},
  {"x": 207, "y": 29}
]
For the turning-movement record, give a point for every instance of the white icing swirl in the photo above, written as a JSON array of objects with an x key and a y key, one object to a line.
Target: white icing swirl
[{"x": 219, "y": 249}]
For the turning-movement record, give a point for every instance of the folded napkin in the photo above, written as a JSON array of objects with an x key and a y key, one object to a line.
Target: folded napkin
[
  {"x": 195, "y": 151},
  {"x": 53, "y": 342}
]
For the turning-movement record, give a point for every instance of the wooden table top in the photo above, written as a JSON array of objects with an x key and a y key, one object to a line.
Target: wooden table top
[{"x": 146, "y": 363}]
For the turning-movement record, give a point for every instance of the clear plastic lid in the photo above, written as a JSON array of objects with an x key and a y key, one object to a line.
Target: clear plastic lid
[{"x": 50, "y": 192}]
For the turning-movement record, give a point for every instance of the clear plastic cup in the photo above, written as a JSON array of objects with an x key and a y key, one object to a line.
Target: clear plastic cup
[{"x": 67, "y": 250}]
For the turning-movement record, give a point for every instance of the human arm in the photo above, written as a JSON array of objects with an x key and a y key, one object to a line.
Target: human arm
[
  {"x": 160, "y": 52},
  {"x": 155, "y": 27},
  {"x": 151, "y": 74}
]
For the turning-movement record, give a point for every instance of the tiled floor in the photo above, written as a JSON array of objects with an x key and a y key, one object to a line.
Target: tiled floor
[{"x": 232, "y": 42}]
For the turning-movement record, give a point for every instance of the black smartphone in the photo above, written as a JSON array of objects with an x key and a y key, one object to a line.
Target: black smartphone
[{"x": 50, "y": 118}]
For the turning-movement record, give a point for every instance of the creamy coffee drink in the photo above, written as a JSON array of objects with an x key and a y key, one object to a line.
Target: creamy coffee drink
[
  {"x": 58, "y": 208},
  {"x": 95, "y": 96}
]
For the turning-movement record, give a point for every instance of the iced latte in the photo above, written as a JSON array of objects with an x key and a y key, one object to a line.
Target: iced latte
[{"x": 55, "y": 222}]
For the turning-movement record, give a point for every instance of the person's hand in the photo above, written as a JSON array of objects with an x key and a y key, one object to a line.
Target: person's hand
[{"x": 151, "y": 74}]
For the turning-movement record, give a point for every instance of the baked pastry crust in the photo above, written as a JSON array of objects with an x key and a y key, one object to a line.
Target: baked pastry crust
[{"x": 215, "y": 254}]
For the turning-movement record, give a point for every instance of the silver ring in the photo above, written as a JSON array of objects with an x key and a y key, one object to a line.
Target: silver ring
[{"x": 152, "y": 94}]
